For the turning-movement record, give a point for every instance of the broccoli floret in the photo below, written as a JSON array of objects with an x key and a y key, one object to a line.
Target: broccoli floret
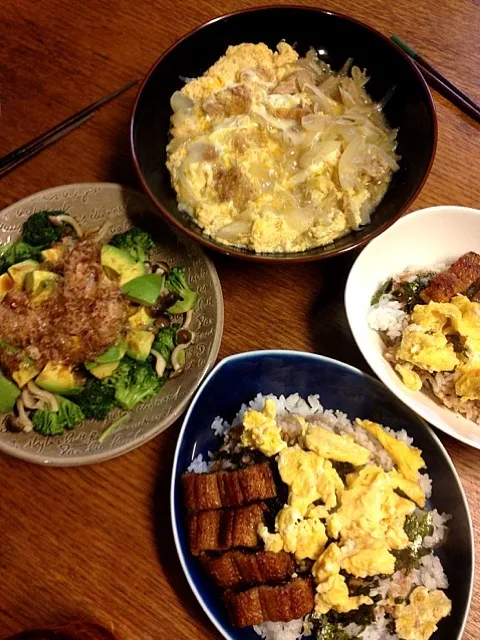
[
  {"x": 96, "y": 399},
  {"x": 15, "y": 252},
  {"x": 50, "y": 423},
  {"x": 136, "y": 242},
  {"x": 134, "y": 381},
  {"x": 177, "y": 283},
  {"x": 39, "y": 231},
  {"x": 165, "y": 342}
]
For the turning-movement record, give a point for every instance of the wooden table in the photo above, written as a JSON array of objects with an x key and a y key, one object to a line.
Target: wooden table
[{"x": 96, "y": 542}]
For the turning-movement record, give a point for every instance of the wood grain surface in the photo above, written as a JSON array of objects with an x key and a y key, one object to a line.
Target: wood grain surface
[{"x": 96, "y": 542}]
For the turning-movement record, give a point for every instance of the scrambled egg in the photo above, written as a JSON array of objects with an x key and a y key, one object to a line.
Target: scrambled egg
[
  {"x": 306, "y": 538},
  {"x": 243, "y": 165},
  {"x": 418, "y": 619},
  {"x": 408, "y": 459},
  {"x": 310, "y": 477},
  {"x": 260, "y": 430},
  {"x": 426, "y": 344},
  {"x": 350, "y": 528},
  {"x": 335, "y": 447},
  {"x": 370, "y": 510}
]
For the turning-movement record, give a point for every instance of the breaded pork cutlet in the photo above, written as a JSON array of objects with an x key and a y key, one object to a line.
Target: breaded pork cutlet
[
  {"x": 228, "y": 488},
  {"x": 246, "y": 568},
  {"x": 280, "y": 603},
  {"x": 224, "y": 529},
  {"x": 459, "y": 277}
]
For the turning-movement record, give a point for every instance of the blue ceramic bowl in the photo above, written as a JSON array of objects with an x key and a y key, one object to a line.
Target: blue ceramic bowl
[{"x": 239, "y": 378}]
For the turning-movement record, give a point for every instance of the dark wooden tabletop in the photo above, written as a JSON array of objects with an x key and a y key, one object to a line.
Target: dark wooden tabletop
[{"x": 96, "y": 542}]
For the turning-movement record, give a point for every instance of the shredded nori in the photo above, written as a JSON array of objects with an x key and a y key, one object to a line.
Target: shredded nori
[
  {"x": 416, "y": 530},
  {"x": 409, "y": 292}
]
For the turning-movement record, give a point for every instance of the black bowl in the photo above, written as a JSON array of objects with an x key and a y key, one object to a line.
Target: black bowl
[{"x": 410, "y": 108}]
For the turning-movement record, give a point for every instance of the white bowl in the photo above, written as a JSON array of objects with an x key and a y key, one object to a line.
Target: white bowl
[{"x": 427, "y": 237}]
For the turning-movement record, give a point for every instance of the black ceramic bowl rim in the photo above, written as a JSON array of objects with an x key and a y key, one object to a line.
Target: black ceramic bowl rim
[{"x": 283, "y": 257}]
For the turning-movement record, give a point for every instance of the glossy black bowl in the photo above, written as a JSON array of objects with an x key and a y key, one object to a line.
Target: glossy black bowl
[{"x": 338, "y": 37}]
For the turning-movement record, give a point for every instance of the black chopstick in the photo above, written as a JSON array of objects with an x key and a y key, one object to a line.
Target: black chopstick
[
  {"x": 41, "y": 142},
  {"x": 441, "y": 84}
]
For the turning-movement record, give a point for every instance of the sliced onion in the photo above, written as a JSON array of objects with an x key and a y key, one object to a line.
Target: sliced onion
[
  {"x": 350, "y": 161},
  {"x": 160, "y": 363},
  {"x": 319, "y": 152},
  {"x": 180, "y": 102},
  {"x": 314, "y": 122},
  {"x": 300, "y": 219},
  {"x": 234, "y": 230},
  {"x": 326, "y": 104},
  {"x": 359, "y": 77},
  {"x": 385, "y": 157},
  {"x": 346, "y": 67}
]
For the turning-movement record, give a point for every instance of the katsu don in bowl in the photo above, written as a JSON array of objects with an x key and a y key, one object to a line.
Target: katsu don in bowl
[
  {"x": 274, "y": 152},
  {"x": 283, "y": 134}
]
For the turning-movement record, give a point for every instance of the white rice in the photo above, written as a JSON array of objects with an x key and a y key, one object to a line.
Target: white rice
[
  {"x": 387, "y": 315},
  {"x": 430, "y": 573},
  {"x": 378, "y": 630},
  {"x": 440, "y": 529},
  {"x": 280, "y": 630}
]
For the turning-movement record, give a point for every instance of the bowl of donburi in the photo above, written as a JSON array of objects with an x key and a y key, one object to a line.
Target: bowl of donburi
[
  {"x": 311, "y": 503},
  {"x": 413, "y": 308},
  {"x": 301, "y": 141}
]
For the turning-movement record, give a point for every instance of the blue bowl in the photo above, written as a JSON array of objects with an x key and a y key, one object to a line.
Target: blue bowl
[{"x": 238, "y": 379}]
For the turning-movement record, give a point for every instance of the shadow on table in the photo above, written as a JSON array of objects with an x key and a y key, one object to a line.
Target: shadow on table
[{"x": 331, "y": 335}]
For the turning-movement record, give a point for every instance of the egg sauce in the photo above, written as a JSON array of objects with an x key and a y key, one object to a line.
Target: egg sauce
[{"x": 277, "y": 153}]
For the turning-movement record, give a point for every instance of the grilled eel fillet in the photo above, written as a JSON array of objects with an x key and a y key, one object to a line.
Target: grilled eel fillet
[
  {"x": 223, "y": 529},
  {"x": 228, "y": 488},
  {"x": 239, "y": 567},
  {"x": 280, "y": 603},
  {"x": 456, "y": 279}
]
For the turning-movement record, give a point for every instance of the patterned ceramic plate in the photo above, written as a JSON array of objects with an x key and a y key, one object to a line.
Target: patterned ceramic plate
[{"x": 91, "y": 205}]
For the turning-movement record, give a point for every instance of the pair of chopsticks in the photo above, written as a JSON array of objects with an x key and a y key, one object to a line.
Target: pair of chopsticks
[
  {"x": 41, "y": 142},
  {"x": 438, "y": 82}
]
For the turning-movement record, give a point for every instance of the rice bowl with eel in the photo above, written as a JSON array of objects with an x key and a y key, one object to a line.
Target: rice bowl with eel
[{"x": 358, "y": 563}]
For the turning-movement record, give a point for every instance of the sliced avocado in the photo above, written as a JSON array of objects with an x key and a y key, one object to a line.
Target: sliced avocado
[
  {"x": 104, "y": 370},
  {"x": 118, "y": 265},
  {"x": 141, "y": 320},
  {"x": 6, "y": 285},
  {"x": 53, "y": 255},
  {"x": 112, "y": 354},
  {"x": 44, "y": 291},
  {"x": 139, "y": 343},
  {"x": 19, "y": 271},
  {"x": 35, "y": 280},
  {"x": 58, "y": 378},
  {"x": 9, "y": 394},
  {"x": 145, "y": 289},
  {"x": 25, "y": 372}
]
